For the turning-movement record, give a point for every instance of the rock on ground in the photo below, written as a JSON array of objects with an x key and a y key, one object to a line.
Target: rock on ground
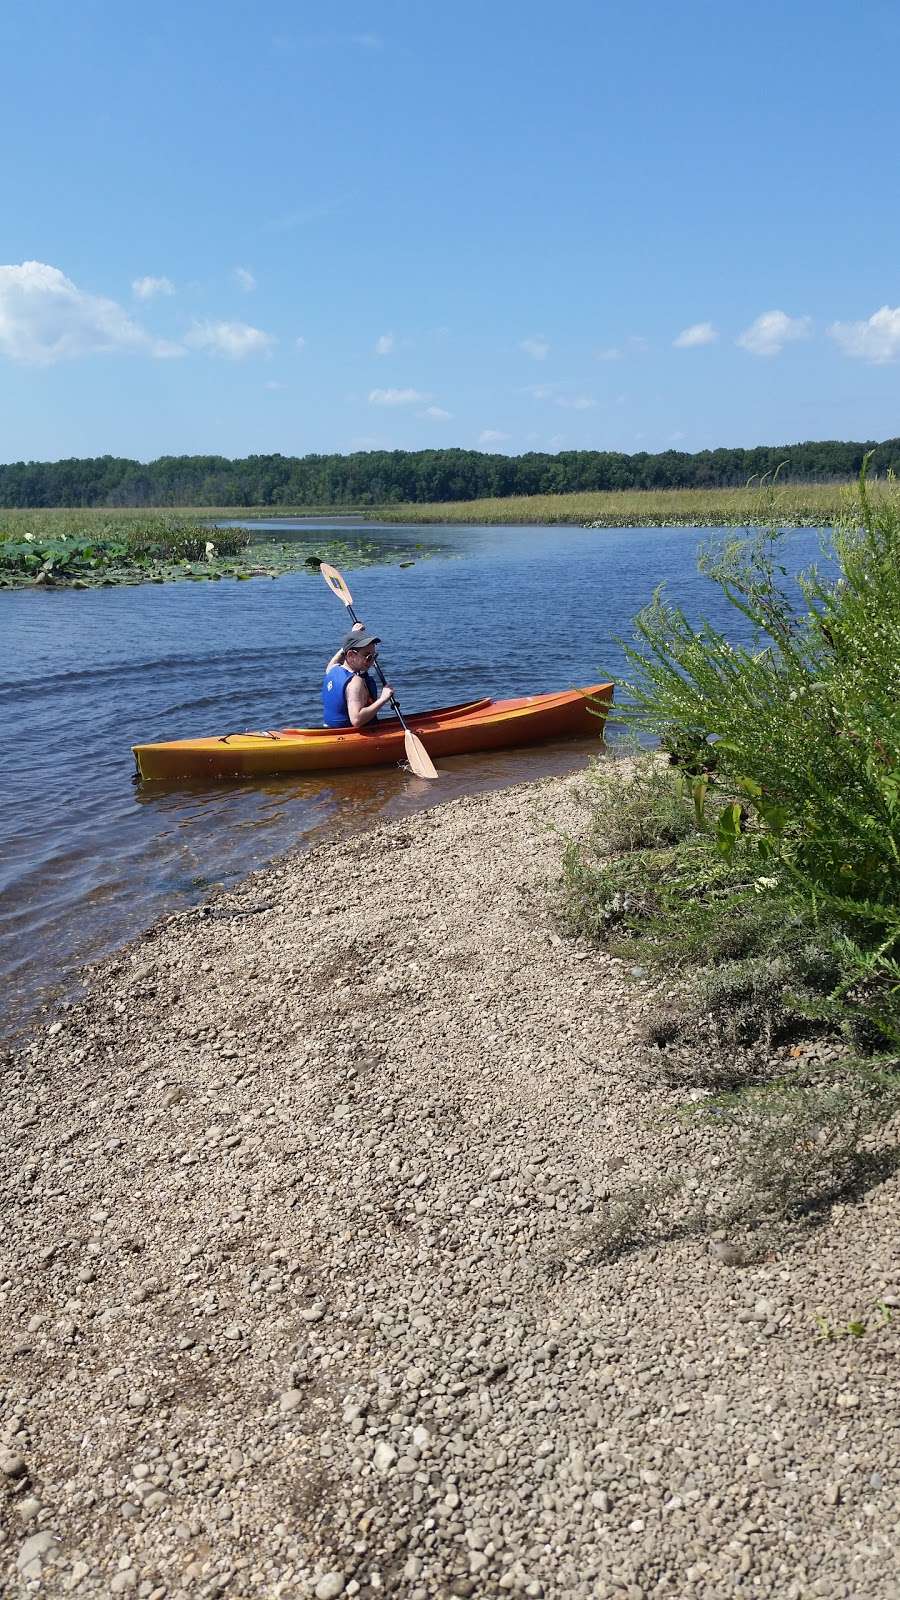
[{"x": 295, "y": 1293}]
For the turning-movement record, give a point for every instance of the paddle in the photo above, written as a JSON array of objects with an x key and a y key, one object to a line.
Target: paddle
[{"x": 419, "y": 760}]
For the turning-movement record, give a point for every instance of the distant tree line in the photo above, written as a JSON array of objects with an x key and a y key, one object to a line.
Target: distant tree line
[{"x": 379, "y": 477}]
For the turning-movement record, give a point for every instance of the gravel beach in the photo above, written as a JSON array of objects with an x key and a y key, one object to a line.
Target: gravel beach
[{"x": 295, "y": 1298}]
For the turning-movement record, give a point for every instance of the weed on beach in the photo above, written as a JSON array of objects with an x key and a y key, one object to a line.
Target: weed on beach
[{"x": 759, "y": 872}]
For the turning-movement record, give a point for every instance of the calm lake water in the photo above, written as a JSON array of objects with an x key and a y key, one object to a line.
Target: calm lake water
[{"x": 88, "y": 858}]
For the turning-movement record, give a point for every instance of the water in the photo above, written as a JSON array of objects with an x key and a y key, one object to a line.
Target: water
[{"x": 88, "y": 857}]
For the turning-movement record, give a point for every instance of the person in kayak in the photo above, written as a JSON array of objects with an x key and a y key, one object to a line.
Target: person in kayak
[{"x": 350, "y": 698}]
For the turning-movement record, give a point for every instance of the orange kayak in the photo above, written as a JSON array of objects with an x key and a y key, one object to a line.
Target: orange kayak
[{"x": 453, "y": 730}]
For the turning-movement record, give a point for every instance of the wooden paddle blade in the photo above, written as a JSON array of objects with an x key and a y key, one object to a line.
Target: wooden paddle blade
[
  {"x": 419, "y": 760},
  {"x": 336, "y": 583}
]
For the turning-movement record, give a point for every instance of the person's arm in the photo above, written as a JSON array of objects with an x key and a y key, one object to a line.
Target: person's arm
[{"x": 360, "y": 709}]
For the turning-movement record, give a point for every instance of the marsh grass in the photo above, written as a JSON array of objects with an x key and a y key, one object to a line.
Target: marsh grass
[{"x": 798, "y": 506}]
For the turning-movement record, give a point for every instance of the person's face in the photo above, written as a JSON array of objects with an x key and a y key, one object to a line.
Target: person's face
[{"x": 360, "y": 660}]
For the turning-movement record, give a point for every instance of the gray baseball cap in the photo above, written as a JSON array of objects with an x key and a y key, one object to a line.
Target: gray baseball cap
[{"x": 360, "y": 640}]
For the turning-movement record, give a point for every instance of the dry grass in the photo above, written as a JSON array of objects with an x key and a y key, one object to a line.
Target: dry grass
[{"x": 795, "y": 505}]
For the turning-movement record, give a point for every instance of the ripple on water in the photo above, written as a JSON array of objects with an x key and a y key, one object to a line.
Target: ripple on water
[{"x": 88, "y": 858}]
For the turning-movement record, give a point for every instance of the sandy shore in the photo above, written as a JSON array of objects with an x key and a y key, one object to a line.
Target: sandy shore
[{"x": 295, "y": 1299}]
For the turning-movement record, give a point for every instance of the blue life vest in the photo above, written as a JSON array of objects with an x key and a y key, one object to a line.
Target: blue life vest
[{"x": 334, "y": 696}]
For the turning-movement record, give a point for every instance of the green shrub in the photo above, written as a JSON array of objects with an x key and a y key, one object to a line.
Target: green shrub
[
  {"x": 805, "y": 723},
  {"x": 760, "y": 873},
  {"x": 635, "y": 802}
]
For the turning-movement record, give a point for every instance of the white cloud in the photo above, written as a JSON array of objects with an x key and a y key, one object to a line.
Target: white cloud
[
  {"x": 772, "y": 331},
  {"x": 697, "y": 334},
  {"x": 148, "y": 288},
  {"x": 45, "y": 317},
  {"x": 558, "y": 397},
  {"x": 537, "y": 347},
  {"x": 492, "y": 436},
  {"x": 876, "y": 340},
  {"x": 245, "y": 279},
  {"x": 275, "y": 383},
  {"x": 437, "y": 413},
  {"x": 232, "y": 339},
  {"x": 397, "y": 397},
  {"x": 635, "y": 344},
  {"x": 384, "y": 345},
  {"x": 300, "y": 342},
  {"x": 306, "y": 215}
]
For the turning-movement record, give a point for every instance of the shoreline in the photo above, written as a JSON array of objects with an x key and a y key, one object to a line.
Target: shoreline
[{"x": 299, "y": 1298}]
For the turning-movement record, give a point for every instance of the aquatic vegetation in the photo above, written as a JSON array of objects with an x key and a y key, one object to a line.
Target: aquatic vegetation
[
  {"x": 91, "y": 549},
  {"x": 799, "y": 505},
  {"x": 82, "y": 550}
]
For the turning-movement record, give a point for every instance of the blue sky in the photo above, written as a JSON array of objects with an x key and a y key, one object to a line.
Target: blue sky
[{"x": 240, "y": 228}]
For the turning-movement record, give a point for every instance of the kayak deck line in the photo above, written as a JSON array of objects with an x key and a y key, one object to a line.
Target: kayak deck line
[
  {"x": 389, "y": 724},
  {"x": 449, "y": 730}
]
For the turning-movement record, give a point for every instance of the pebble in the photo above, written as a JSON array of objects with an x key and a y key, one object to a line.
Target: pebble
[
  {"x": 27, "y": 1509},
  {"x": 476, "y": 1400},
  {"x": 11, "y": 1464},
  {"x": 385, "y": 1456},
  {"x": 330, "y": 1586},
  {"x": 39, "y": 1544},
  {"x": 727, "y": 1254}
]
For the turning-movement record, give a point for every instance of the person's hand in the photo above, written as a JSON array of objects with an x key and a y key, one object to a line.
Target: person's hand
[
  {"x": 385, "y": 695},
  {"x": 357, "y": 627}
]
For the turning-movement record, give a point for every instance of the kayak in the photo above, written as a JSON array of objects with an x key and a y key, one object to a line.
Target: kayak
[{"x": 452, "y": 730}]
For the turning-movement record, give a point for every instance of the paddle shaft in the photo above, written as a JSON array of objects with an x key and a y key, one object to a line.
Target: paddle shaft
[
  {"x": 382, "y": 679},
  {"x": 419, "y": 760}
]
